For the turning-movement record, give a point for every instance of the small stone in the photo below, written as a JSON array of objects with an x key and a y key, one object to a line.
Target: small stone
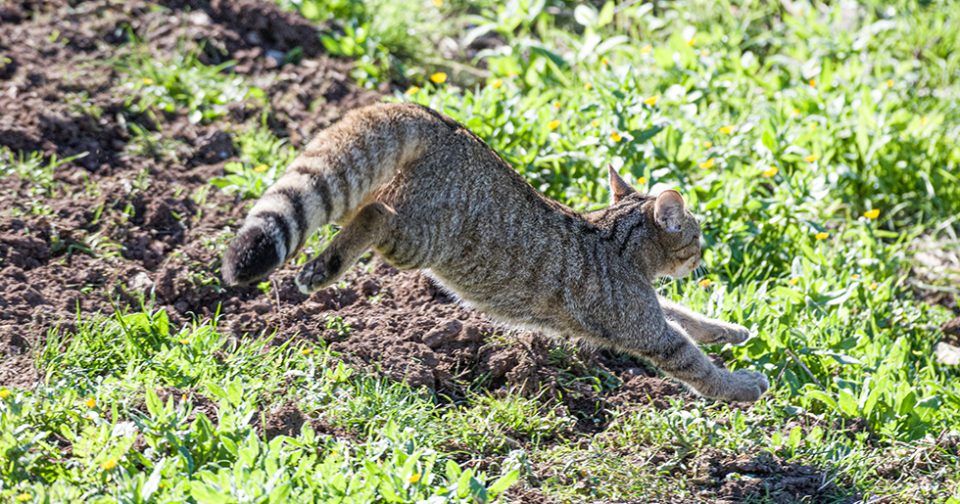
[
  {"x": 140, "y": 282},
  {"x": 277, "y": 56},
  {"x": 947, "y": 354},
  {"x": 200, "y": 18}
]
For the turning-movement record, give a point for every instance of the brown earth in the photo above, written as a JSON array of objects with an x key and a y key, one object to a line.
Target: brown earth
[
  {"x": 727, "y": 479},
  {"x": 115, "y": 226}
]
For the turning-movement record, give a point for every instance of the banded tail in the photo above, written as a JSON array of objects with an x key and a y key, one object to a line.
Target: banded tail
[{"x": 343, "y": 166}]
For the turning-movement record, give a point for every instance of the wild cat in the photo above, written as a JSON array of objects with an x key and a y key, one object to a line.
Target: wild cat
[{"x": 426, "y": 193}]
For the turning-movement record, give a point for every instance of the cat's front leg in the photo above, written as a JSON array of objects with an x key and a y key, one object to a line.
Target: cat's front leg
[
  {"x": 704, "y": 329},
  {"x": 674, "y": 353},
  {"x": 362, "y": 232}
]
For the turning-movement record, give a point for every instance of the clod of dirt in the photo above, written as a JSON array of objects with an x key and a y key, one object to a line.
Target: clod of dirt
[
  {"x": 284, "y": 420},
  {"x": 214, "y": 147},
  {"x": 21, "y": 248},
  {"x": 952, "y": 327}
]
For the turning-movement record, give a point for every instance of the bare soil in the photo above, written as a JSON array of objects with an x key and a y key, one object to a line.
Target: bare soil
[{"x": 116, "y": 228}]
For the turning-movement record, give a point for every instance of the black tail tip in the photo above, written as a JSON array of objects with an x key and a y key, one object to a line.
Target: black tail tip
[{"x": 251, "y": 256}]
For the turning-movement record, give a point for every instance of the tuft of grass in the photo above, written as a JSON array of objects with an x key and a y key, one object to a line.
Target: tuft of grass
[
  {"x": 263, "y": 158},
  {"x": 182, "y": 84}
]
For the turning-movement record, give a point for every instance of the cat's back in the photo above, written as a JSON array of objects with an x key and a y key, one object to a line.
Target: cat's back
[{"x": 455, "y": 166}]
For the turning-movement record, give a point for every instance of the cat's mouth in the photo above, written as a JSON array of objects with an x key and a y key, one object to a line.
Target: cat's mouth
[{"x": 686, "y": 267}]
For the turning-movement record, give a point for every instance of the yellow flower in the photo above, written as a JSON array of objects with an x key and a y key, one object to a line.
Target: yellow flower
[
  {"x": 889, "y": 83},
  {"x": 707, "y": 144},
  {"x": 147, "y": 81},
  {"x": 497, "y": 83},
  {"x": 594, "y": 123},
  {"x": 706, "y": 165},
  {"x": 873, "y": 286},
  {"x": 260, "y": 168},
  {"x": 705, "y": 283},
  {"x": 872, "y": 214},
  {"x": 4, "y": 393},
  {"x": 642, "y": 180},
  {"x": 306, "y": 351},
  {"x": 554, "y": 124},
  {"x": 855, "y": 277},
  {"x": 438, "y": 3},
  {"x": 822, "y": 235},
  {"x": 414, "y": 478},
  {"x": 795, "y": 112},
  {"x": 556, "y": 105},
  {"x": 770, "y": 172},
  {"x": 604, "y": 61},
  {"x": 588, "y": 86},
  {"x": 438, "y": 78},
  {"x": 24, "y": 497},
  {"x": 90, "y": 402},
  {"x": 811, "y": 158},
  {"x": 109, "y": 464},
  {"x": 692, "y": 41},
  {"x": 793, "y": 280},
  {"x": 412, "y": 90},
  {"x": 184, "y": 341},
  {"x": 615, "y": 136},
  {"x": 647, "y": 49},
  {"x": 651, "y": 101},
  {"x": 726, "y": 130},
  {"x": 813, "y": 83}
]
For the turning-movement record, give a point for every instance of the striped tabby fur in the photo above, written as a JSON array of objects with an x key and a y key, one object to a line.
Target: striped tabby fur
[{"x": 425, "y": 193}]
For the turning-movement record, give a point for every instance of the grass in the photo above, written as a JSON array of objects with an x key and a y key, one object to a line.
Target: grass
[
  {"x": 817, "y": 144},
  {"x": 120, "y": 397},
  {"x": 182, "y": 84}
]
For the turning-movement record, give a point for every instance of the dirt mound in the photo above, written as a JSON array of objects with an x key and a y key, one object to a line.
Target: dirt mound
[{"x": 746, "y": 478}]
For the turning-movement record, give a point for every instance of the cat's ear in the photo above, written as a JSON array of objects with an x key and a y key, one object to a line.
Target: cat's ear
[
  {"x": 668, "y": 211},
  {"x": 619, "y": 188}
]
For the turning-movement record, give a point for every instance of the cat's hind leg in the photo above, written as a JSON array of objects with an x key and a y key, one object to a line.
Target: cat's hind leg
[
  {"x": 366, "y": 228},
  {"x": 704, "y": 329}
]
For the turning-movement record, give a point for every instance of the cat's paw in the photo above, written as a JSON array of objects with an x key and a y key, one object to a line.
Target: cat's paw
[
  {"x": 746, "y": 386},
  {"x": 734, "y": 334},
  {"x": 319, "y": 273}
]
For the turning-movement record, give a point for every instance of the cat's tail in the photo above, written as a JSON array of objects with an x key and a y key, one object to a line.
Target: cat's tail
[{"x": 335, "y": 175}]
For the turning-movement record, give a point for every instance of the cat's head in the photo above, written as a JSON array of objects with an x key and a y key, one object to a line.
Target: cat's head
[{"x": 668, "y": 243}]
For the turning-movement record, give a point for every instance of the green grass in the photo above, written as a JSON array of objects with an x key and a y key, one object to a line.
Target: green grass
[
  {"x": 117, "y": 420},
  {"x": 817, "y": 145},
  {"x": 182, "y": 84}
]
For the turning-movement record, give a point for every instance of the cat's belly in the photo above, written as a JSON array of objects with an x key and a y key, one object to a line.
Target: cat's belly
[{"x": 505, "y": 305}]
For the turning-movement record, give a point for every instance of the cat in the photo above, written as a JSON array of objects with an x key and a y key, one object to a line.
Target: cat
[{"x": 426, "y": 193}]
